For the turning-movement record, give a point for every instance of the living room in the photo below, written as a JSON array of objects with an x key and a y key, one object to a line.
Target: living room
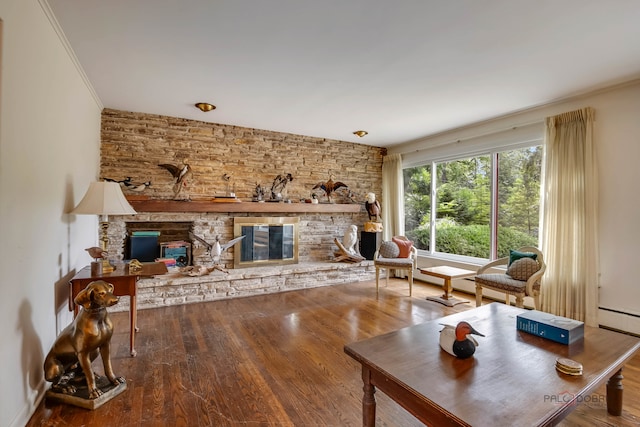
[{"x": 50, "y": 137}]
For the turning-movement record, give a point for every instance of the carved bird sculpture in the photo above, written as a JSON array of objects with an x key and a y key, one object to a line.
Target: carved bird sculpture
[
  {"x": 278, "y": 186},
  {"x": 122, "y": 182},
  {"x": 137, "y": 187},
  {"x": 330, "y": 186},
  {"x": 96, "y": 252},
  {"x": 373, "y": 207},
  {"x": 179, "y": 175},
  {"x": 177, "y": 172},
  {"x": 201, "y": 240},
  {"x": 217, "y": 249},
  {"x": 457, "y": 340},
  {"x": 350, "y": 239}
]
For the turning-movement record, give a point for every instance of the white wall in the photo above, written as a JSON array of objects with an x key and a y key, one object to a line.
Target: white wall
[
  {"x": 617, "y": 136},
  {"x": 49, "y": 152}
]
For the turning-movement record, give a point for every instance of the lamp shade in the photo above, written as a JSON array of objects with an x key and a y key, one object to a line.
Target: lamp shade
[{"x": 104, "y": 198}]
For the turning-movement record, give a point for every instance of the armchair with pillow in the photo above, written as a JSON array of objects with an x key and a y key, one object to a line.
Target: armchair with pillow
[
  {"x": 396, "y": 254},
  {"x": 525, "y": 267}
]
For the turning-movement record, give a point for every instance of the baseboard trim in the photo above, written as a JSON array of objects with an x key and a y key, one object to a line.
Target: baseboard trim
[{"x": 618, "y": 320}]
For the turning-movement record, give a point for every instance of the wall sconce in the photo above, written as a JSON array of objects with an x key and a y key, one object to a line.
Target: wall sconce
[{"x": 104, "y": 199}]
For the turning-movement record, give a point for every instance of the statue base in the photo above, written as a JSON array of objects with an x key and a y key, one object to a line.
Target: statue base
[
  {"x": 372, "y": 227},
  {"x": 81, "y": 396}
]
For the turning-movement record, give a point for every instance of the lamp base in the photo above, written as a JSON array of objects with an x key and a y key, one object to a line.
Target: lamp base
[{"x": 106, "y": 266}]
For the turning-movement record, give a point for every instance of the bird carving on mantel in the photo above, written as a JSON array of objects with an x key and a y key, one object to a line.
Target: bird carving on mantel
[
  {"x": 279, "y": 185},
  {"x": 330, "y": 186},
  {"x": 179, "y": 175},
  {"x": 122, "y": 182},
  {"x": 373, "y": 207},
  {"x": 137, "y": 187},
  {"x": 96, "y": 252}
]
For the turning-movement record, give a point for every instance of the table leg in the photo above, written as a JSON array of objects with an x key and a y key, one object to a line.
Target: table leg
[
  {"x": 368, "y": 400},
  {"x": 614, "y": 393},
  {"x": 447, "y": 288},
  {"x": 133, "y": 327}
]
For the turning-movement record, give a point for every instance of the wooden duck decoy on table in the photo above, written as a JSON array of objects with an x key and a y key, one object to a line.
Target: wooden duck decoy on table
[
  {"x": 456, "y": 340},
  {"x": 97, "y": 253}
]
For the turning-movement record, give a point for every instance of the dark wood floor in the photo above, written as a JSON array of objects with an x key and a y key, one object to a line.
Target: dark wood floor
[{"x": 274, "y": 360}]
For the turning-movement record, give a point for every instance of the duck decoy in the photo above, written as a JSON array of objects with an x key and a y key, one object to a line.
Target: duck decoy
[
  {"x": 97, "y": 253},
  {"x": 122, "y": 182},
  {"x": 137, "y": 187},
  {"x": 456, "y": 340}
]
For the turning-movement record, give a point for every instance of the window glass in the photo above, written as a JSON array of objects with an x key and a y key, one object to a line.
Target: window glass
[
  {"x": 519, "y": 173},
  {"x": 463, "y": 209},
  {"x": 417, "y": 205},
  {"x": 463, "y": 192}
]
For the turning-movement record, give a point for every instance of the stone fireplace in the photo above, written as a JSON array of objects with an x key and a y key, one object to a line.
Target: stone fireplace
[
  {"x": 133, "y": 145},
  {"x": 315, "y": 240}
]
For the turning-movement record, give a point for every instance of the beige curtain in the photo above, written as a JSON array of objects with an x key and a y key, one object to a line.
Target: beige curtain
[
  {"x": 570, "y": 217},
  {"x": 392, "y": 193}
]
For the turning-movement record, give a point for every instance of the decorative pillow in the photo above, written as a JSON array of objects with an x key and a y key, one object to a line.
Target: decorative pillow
[
  {"x": 523, "y": 268},
  {"x": 516, "y": 255},
  {"x": 404, "y": 246},
  {"x": 389, "y": 250}
]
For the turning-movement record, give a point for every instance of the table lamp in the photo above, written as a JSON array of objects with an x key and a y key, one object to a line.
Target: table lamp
[{"x": 104, "y": 199}]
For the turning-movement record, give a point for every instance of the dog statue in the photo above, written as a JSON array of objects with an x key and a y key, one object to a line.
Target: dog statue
[{"x": 78, "y": 344}]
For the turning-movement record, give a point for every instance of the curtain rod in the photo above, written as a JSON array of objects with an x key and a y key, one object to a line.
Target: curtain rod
[{"x": 493, "y": 132}]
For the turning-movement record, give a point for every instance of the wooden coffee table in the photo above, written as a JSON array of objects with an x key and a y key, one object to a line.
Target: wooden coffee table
[
  {"x": 511, "y": 380},
  {"x": 447, "y": 273}
]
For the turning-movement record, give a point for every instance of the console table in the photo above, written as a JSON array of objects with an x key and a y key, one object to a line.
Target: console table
[
  {"x": 124, "y": 284},
  {"x": 511, "y": 379}
]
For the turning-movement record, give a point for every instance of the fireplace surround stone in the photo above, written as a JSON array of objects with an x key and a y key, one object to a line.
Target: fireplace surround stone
[{"x": 315, "y": 252}]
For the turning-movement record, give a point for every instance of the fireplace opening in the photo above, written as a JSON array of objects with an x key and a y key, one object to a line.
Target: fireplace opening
[
  {"x": 267, "y": 241},
  {"x": 148, "y": 241}
]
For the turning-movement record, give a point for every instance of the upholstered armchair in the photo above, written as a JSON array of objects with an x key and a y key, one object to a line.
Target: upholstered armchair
[
  {"x": 396, "y": 254},
  {"x": 525, "y": 267}
]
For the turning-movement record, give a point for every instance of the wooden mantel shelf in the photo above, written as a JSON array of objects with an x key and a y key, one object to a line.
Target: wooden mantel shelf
[{"x": 267, "y": 207}]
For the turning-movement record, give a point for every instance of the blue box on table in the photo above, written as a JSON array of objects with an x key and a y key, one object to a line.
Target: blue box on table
[{"x": 555, "y": 328}]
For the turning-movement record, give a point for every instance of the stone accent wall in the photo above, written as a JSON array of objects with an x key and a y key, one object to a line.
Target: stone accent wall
[{"x": 134, "y": 144}]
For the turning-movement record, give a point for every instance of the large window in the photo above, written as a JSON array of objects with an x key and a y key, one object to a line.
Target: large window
[{"x": 478, "y": 206}]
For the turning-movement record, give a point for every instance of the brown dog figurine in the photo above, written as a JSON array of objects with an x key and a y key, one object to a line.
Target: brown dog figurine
[{"x": 78, "y": 344}]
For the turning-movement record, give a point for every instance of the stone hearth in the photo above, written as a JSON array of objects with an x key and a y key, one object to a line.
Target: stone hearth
[
  {"x": 174, "y": 289},
  {"x": 315, "y": 267}
]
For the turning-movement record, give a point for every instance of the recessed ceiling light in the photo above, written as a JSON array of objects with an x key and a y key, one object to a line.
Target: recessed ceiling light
[
  {"x": 360, "y": 133},
  {"x": 204, "y": 106}
]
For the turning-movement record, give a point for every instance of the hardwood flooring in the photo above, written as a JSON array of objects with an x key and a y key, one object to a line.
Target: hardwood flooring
[{"x": 274, "y": 360}]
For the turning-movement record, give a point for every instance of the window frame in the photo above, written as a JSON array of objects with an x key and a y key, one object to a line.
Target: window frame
[{"x": 528, "y": 136}]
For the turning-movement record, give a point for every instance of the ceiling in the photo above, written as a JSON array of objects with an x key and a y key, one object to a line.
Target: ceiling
[{"x": 401, "y": 70}]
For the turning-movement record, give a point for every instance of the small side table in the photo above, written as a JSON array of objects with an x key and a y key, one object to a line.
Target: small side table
[
  {"x": 124, "y": 283},
  {"x": 447, "y": 273}
]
